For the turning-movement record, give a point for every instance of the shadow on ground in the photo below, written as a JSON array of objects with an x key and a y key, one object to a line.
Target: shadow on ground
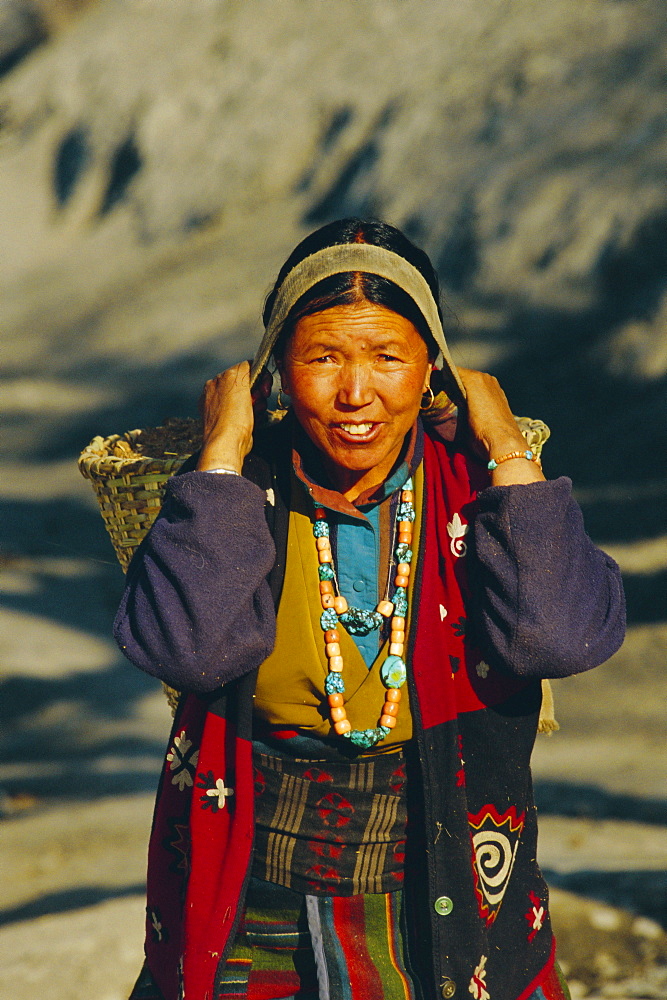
[
  {"x": 643, "y": 892},
  {"x": 563, "y": 798},
  {"x": 67, "y": 900}
]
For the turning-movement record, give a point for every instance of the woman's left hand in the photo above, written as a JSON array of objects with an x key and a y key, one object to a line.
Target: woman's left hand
[{"x": 494, "y": 431}]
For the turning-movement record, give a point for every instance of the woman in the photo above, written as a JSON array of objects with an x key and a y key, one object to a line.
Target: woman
[{"x": 359, "y": 608}]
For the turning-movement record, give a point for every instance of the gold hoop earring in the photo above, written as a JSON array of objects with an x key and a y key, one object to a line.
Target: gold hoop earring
[
  {"x": 431, "y": 402},
  {"x": 280, "y": 403}
]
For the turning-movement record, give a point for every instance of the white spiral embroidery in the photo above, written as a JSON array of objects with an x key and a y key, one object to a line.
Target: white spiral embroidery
[
  {"x": 495, "y": 859},
  {"x": 456, "y": 529}
]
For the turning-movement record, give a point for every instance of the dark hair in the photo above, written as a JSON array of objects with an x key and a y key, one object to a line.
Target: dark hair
[{"x": 354, "y": 286}]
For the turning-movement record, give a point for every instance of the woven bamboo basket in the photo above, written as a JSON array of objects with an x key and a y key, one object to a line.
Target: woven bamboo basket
[{"x": 129, "y": 484}]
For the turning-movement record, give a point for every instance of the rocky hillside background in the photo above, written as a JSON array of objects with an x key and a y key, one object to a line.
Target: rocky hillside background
[{"x": 158, "y": 160}]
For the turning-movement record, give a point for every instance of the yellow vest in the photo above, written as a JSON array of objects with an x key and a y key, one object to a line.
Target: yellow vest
[{"x": 290, "y": 686}]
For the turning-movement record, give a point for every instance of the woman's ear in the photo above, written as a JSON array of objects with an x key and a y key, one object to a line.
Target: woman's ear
[{"x": 280, "y": 368}]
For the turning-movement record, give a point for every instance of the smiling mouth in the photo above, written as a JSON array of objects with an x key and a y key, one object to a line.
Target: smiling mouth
[
  {"x": 360, "y": 432},
  {"x": 357, "y": 430}
]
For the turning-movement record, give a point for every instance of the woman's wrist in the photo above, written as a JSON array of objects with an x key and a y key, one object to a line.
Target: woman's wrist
[
  {"x": 526, "y": 453},
  {"x": 505, "y": 442},
  {"x": 212, "y": 459},
  {"x": 517, "y": 471}
]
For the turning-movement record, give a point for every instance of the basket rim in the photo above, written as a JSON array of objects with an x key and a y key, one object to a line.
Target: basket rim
[{"x": 95, "y": 463}]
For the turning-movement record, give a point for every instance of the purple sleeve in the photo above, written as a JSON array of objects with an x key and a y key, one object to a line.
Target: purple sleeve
[
  {"x": 197, "y": 611},
  {"x": 550, "y": 603}
]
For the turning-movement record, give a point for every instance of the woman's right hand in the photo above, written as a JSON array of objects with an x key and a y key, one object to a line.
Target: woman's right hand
[{"x": 228, "y": 412}]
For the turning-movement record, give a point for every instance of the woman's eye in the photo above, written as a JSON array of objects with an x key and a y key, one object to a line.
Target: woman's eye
[{"x": 388, "y": 357}]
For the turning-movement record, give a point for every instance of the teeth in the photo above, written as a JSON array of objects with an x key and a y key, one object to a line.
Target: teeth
[{"x": 359, "y": 429}]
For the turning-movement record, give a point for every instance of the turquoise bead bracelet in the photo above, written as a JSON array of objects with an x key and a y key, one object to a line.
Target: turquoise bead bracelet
[{"x": 495, "y": 462}]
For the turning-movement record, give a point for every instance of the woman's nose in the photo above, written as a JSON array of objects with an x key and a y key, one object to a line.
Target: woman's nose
[{"x": 355, "y": 387}]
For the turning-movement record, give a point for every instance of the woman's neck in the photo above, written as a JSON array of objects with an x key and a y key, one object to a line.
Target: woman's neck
[{"x": 351, "y": 483}]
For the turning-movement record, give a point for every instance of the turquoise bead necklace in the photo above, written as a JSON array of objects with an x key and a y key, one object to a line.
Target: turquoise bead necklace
[{"x": 335, "y": 611}]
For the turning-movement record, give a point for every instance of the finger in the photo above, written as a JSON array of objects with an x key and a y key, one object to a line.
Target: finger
[
  {"x": 232, "y": 379},
  {"x": 239, "y": 375}
]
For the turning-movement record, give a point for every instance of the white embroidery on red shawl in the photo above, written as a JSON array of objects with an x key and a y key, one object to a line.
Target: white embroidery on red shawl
[
  {"x": 157, "y": 928},
  {"x": 215, "y": 791},
  {"x": 182, "y": 761},
  {"x": 220, "y": 792},
  {"x": 456, "y": 529}
]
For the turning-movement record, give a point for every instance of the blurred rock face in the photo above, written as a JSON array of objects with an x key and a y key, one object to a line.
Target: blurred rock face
[
  {"x": 159, "y": 160},
  {"x": 21, "y": 30}
]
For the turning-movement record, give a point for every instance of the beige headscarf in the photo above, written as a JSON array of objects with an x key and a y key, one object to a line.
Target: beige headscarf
[{"x": 353, "y": 257}]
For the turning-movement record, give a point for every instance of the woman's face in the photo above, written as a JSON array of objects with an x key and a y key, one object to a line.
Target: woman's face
[{"x": 356, "y": 375}]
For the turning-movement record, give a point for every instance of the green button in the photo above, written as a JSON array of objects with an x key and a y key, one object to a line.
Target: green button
[
  {"x": 443, "y": 906},
  {"x": 448, "y": 989}
]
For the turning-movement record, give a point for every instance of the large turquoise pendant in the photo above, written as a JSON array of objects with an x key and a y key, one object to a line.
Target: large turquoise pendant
[{"x": 393, "y": 672}]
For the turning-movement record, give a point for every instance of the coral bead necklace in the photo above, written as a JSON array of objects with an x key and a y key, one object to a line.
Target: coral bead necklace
[{"x": 359, "y": 622}]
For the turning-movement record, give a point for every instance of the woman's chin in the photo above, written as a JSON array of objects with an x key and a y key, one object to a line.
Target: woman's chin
[{"x": 357, "y": 459}]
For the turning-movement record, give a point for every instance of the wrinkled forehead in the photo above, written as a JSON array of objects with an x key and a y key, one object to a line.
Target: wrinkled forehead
[{"x": 360, "y": 328}]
